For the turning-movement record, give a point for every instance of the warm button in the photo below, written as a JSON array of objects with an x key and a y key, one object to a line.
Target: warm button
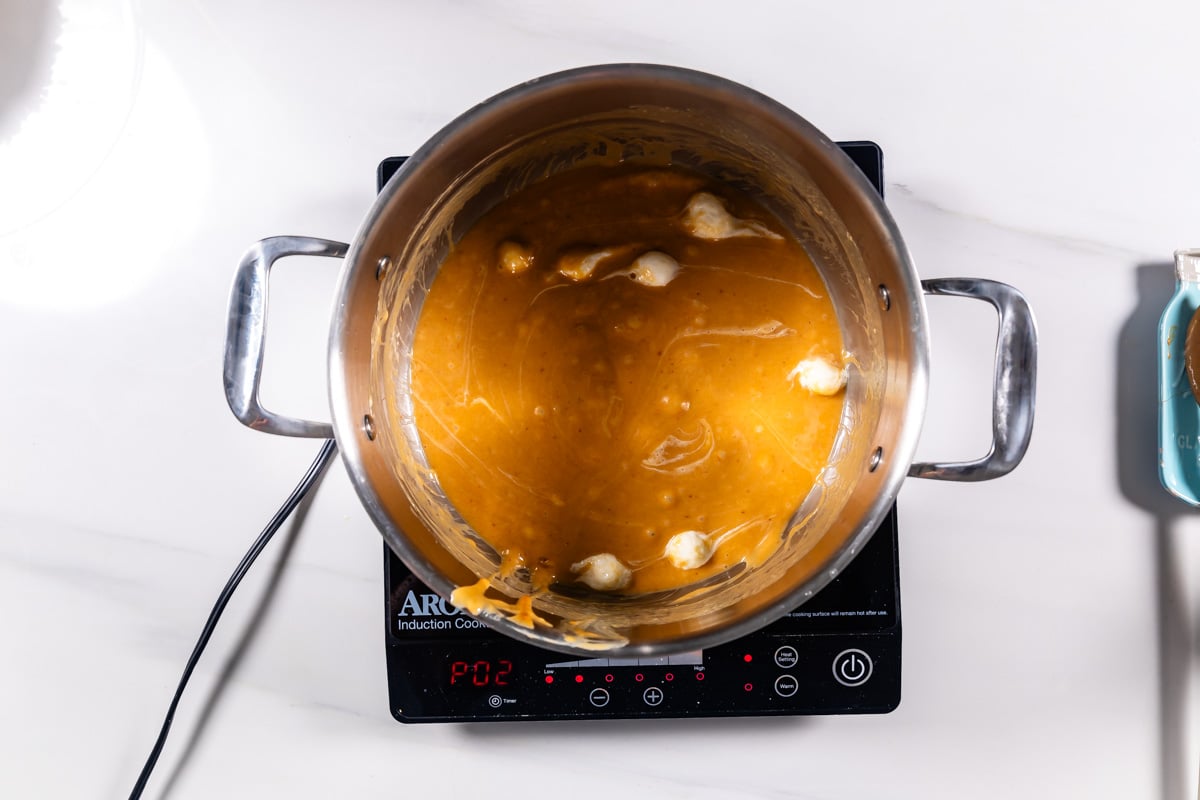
[
  {"x": 852, "y": 667},
  {"x": 786, "y": 685}
]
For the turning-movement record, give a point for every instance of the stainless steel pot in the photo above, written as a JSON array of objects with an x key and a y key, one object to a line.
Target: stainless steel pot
[{"x": 648, "y": 114}]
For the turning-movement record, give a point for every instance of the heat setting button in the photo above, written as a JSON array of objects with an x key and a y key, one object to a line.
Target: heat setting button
[
  {"x": 786, "y": 657},
  {"x": 852, "y": 667}
]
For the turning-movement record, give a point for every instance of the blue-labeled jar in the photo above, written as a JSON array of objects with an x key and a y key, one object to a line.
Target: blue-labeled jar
[{"x": 1178, "y": 409}]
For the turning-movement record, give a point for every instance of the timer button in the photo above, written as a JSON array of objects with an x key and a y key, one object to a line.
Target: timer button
[
  {"x": 786, "y": 657},
  {"x": 653, "y": 696},
  {"x": 852, "y": 667},
  {"x": 786, "y": 685},
  {"x": 599, "y": 697}
]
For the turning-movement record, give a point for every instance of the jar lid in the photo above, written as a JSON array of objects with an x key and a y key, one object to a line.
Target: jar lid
[{"x": 1187, "y": 264}]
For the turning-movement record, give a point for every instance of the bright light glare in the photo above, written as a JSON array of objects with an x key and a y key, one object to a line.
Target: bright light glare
[{"x": 94, "y": 193}]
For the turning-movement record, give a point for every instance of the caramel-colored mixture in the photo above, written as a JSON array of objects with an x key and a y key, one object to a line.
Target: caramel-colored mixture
[
  {"x": 1191, "y": 354},
  {"x": 627, "y": 378}
]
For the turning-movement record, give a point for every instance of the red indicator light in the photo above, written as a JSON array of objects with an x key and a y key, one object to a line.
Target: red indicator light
[
  {"x": 549, "y": 679},
  {"x": 670, "y": 676},
  {"x": 749, "y": 687},
  {"x": 608, "y": 678},
  {"x": 579, "y": 679},
  {"x": 747, "y": 658},
  {"x": 639, "y": 677},
  {"x": 699, "y": 676}
]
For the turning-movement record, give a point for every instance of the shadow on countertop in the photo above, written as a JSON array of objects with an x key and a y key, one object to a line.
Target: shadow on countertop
[{"x": 1137, "y": 475}]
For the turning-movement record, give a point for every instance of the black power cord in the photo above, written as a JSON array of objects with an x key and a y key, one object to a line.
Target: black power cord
[{"x": 306, "y": 483}]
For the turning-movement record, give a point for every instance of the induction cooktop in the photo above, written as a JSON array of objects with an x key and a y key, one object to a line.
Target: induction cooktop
[{"x": 838, "y": 653}]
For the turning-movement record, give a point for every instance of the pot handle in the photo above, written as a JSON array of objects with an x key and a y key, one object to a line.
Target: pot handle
[
  {"x": 245, "y": 335},
  {"x": 1014, "y": 383}
]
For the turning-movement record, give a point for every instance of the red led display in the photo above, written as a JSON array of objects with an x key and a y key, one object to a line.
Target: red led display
[{"x": 482, "y": 673}]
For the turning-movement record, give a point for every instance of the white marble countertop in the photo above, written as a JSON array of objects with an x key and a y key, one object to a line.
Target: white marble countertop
[{"x": 1050, "y": 617}]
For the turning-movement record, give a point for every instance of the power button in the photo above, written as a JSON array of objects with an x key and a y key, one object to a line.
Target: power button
[{"x": 852, "y": 667}]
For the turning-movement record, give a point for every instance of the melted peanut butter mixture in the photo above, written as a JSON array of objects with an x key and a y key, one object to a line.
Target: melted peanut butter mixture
[
  {"x": 1191, "y": 354},
  {"x": 627, "y": 379}
]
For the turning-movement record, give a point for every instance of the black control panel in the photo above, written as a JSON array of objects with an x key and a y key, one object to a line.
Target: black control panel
[{"x": 839, "y": 653}]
